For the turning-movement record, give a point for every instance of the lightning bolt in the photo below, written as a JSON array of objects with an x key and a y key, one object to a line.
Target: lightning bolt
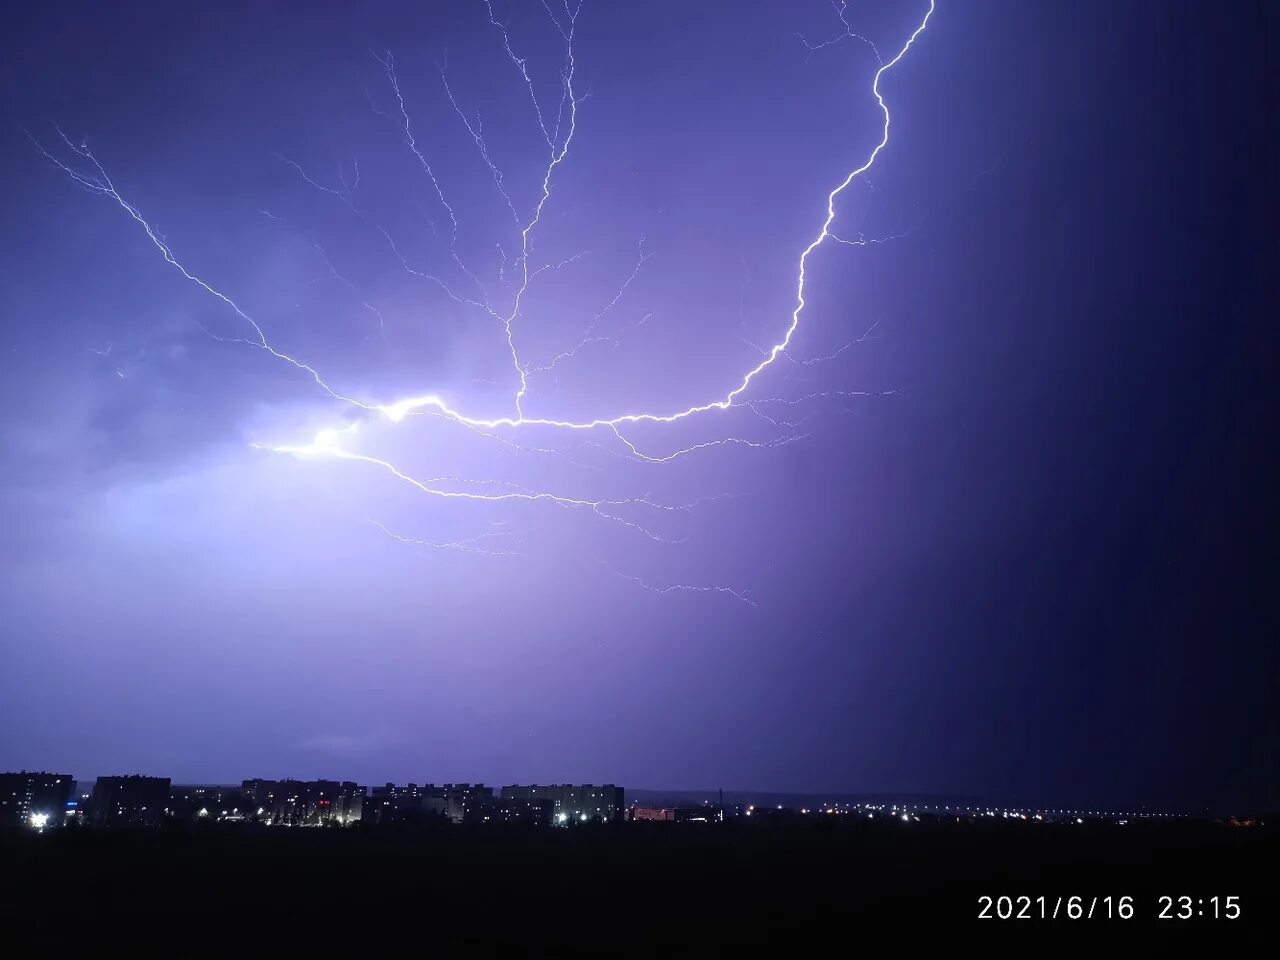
[
  {"x": 106, "y": 355},
  {"x": 841, "y": 8},
  {"x": 687, "y": 588},
  {"x": 477, "y": 544},
  {"x": 558, "y": 135},
  {"x": 398, "y": 410}
]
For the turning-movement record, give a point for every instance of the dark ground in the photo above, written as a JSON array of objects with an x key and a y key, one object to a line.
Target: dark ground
[{"x": 655, "y": 890}]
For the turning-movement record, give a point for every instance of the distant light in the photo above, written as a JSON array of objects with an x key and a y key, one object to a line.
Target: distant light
[
  {"x": 583, "y": 818},
  {"x": 905, "y": 818},
  {"x": 204, "y": 812},
  {"x": 39, "y": 820}
]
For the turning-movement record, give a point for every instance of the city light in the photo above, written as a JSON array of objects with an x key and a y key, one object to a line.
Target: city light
[{"x": 39, "y": 820}]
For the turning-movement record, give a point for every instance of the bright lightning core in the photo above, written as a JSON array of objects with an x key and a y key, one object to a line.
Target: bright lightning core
[{"x": 503, "y": 301}]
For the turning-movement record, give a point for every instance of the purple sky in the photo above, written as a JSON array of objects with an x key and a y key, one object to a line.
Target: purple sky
[{"x": 959, "y": 539}]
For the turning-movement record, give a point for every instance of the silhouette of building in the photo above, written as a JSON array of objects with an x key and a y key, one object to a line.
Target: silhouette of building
[
  {"x": 574, "y": 803},
  {"x": 460, "y": 798},
  {"x": 653, "y": 813},
  {"x": 534, "y": 812},
  {"x": 209, "y": 803},
  {"x": 411, "y": 803},
  {"x": 304, "y": 803},
  {"x": 34, "y": 799},
  {"x": 133, "y": 801},
  {"x": 457, "y": 801}
]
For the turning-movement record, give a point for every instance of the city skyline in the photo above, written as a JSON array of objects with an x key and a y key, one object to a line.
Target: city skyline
[
  {"x": 388, "y": 792},
  {"x": 30, "y": 800}
]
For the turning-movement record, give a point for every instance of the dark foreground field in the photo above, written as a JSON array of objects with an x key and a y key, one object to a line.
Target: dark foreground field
[{"x": 657, "y": 890}]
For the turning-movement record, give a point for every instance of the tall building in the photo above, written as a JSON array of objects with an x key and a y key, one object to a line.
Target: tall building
[
  {"x": 305, "y": 803},
  {"x": 574, "y": 803},
  {"x": 457, "y": 801},
  {"x": 393, "y": 804},
  {"x": 133, "y": 801},
  {"x": 462, "y": 798},
  {"x": 540, "y": 812},
  {"x": 208, "y": 803},
  {"x": 35, "y": 799}
]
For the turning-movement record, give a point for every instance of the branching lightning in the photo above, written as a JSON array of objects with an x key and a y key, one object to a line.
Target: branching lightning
[
  {"x": 558, "y": 127},
  {"x": 481, "y": 543}
]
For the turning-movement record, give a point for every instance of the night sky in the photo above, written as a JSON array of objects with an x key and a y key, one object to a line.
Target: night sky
[{"x": 1000, "y": 521}]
